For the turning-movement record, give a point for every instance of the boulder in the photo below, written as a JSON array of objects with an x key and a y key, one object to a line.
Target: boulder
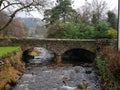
[
  {"x": 82, "y": 85},
  {"x": 34, "y": 52}
]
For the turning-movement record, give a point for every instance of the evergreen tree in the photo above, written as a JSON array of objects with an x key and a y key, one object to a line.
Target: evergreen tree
[
  {"x": 112, "y": 19},
  {"x": 60, "y": 11}
]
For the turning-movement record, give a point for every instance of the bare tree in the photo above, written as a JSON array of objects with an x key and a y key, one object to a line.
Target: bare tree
[
  {"x": 96, "y": 7},
  {"x": 3, "y": 19},
  {"x": 99, "y": 8},
  {"x": 84, "y": 12},
  {"x": 12, "y": 7}
]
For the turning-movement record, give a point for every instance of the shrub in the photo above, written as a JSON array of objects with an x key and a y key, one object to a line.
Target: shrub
[
  {"x": 78, "y": 30},
  {"x": 112, "y": 57},
  {"x": 108, "y": 64},
  {"x": 112, "y": 32},
  {"x": 101, "y": 29},
  {"x": 108, "y": 81},
  {"x": 54, "y": 31}
]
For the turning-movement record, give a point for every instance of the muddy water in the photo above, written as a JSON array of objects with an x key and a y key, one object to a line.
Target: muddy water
[{"x": 58, "y": 77}]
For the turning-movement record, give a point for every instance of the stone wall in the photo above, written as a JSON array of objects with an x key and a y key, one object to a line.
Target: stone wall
[{"x": 58, "y": 46}]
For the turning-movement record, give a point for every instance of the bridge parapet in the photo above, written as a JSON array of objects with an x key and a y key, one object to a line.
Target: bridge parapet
[{"x": 58, "y": 46}]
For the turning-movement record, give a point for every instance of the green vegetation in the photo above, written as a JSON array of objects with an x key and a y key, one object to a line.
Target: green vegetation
[
  {"x": 81, "y": 30},
  {"x": 65, "y": 22},
  {"x": 112, "y": 33},
  {"x": 112, "y": 19},
  {"x": 101, "y": 29},
  {"x": 62, "y": 9},
  {"x": 77, "y": 30},
  {"x": 9, "y": 49},
  {"x": 108, "y": 65},
  {"x": 108, "y": 81}
]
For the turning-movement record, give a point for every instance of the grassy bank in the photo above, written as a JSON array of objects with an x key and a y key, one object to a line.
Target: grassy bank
[
  {"x": 108, "y": 64},
  {"x": 6, "y": 50},
  {"x": 11, "y": 66}
]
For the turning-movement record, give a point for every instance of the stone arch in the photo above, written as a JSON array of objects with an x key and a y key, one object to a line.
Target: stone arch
[
  {"x": 60, "y": 50},
  {"x": 78, "y": 55},
  {"x": 24, "y": 48},
  {"x": 26, "y": 57}
]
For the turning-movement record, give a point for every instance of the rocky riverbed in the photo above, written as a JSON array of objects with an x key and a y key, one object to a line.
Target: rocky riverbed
[{"x": 54, "y": 77}]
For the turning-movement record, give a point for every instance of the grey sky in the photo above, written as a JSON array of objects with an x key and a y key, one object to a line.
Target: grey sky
[{"x": 112, "y": 5}]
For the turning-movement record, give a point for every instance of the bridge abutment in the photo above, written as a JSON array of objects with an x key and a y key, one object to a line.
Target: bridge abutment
[{"x": 58, "y": 59}]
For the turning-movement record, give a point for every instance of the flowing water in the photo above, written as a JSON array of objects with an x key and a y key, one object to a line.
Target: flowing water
[
  {"x": 57, "y": 77},
  {"x": 44, "y": 56}
]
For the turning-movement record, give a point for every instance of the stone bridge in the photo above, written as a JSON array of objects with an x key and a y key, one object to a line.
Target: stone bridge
[{"x": 59, "y": 46}]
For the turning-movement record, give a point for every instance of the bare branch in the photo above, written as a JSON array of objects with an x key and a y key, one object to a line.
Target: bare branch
[
  {"x": 19, "y": 5},
  {"x": 1, "y": 2},
  {"x": 13, "y": 15},
  {"x": 8, "y": 6}
]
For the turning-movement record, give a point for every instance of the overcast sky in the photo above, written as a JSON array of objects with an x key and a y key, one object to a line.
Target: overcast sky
[{"x": 112, "y": 5}]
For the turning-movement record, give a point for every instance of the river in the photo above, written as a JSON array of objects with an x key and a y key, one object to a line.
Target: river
[{"x": 51, "y": 76}]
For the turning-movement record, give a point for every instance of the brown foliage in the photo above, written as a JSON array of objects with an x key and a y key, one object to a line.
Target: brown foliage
[
  {"x": 15, "y": 28},
  {"x": 12, "y": 68},
  {"x": 18, "y": 30},
  {"x": 19, "y": 67},
  {"x": 3, "y": 19},
  {"x": 112, "y": 57}
]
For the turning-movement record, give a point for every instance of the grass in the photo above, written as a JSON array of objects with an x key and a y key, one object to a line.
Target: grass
[
  {"x": 9, "y": 49},
  {"x": 11, "y": 66}
]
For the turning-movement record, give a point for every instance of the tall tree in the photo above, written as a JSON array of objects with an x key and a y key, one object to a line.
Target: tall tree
[
  {"x": 60, "y": 11},
  {"x": 85, "y": 12},
  {"x": 112, "y": 19},
  {"x": 92, "y": 12},
  {"x": 99, "y": 8}
]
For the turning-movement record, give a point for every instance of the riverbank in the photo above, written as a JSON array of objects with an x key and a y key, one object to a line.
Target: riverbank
[
  {"x": 6, "y": 50},
  {"x": 11, "y": 66},
  {"x": 108, "y": 64}
]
